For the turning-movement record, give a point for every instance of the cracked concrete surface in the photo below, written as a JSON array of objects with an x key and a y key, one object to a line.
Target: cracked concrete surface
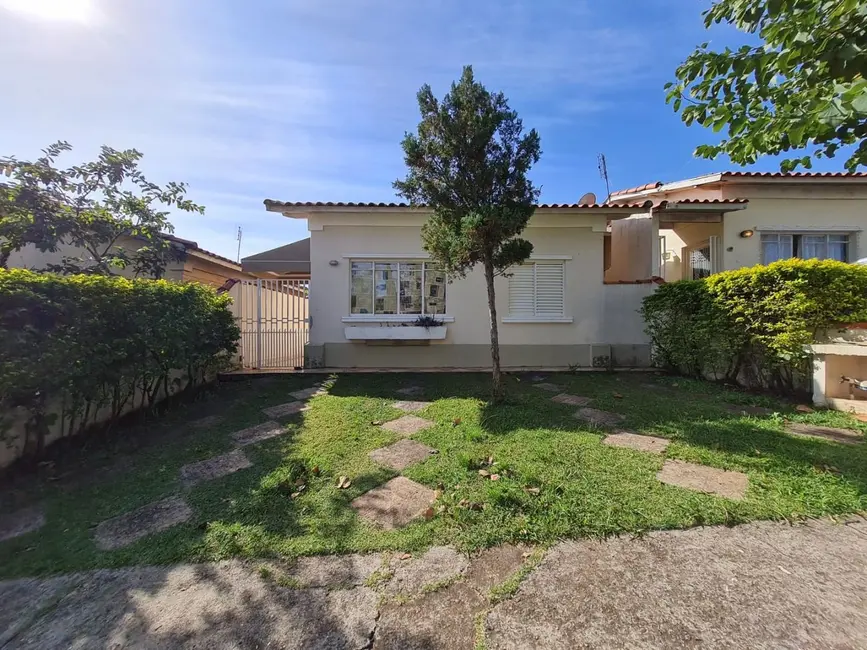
[{"x": 763, "y": 585}]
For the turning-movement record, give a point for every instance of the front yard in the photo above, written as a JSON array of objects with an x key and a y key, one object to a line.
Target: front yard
[{"x": 555, "y": 478}]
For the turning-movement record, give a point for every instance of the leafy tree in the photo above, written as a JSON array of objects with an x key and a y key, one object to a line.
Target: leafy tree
[
  {"x": 805, "y": 86},
  {"x": 469, "y": 163},
  {"x": 95, "y": 207}
]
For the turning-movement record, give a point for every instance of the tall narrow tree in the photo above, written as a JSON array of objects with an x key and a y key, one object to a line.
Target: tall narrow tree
[{"x": 468, "y": 162}]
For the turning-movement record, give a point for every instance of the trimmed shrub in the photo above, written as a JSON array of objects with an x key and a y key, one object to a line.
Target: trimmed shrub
[
  {"x": 751, "y": 325},
  {"x": 85, "y": 348}
]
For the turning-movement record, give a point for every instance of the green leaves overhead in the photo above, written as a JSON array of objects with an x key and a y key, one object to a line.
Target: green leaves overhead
[
  {"x": 804, "y": 87},
  {"x": 95, "y": 207}
]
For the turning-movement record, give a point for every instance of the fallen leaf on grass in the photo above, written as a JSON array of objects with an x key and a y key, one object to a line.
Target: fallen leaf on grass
[
  {"x": 343, "y": 483},
  {"x": 618, "y": 396},
  {"x": 532, "y": 490},
  {"x": 376, "y": 423},
  {"x": 294, "y": 495},
  {"x": 406, "y": 556},
  {"x": 456, "y": 422},
  {"x": 803, "y": 408},
  {"x": 495, "y": 477},
  {"x": 484, "y": 473},
  {"x": 315, "y": 470},
  {"x": 429, "y": 514}
]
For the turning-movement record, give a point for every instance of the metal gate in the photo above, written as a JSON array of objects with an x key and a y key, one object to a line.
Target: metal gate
[{"x": 274, "y": 318}]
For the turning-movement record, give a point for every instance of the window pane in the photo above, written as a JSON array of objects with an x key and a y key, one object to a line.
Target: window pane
[
  {"x": 776, "y": 247},
  {"x": 814, "y": 246},
  {"x": 361, "y": 284},
  {"x": 410, "y": 288},
  {"x": 838, "y": 247},
  {"x": 385, "y": 288},
  {"x": 434, "y": 290}
]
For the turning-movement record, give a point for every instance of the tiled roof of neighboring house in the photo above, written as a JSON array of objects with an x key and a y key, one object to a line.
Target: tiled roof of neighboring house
[
  {"x": 191, "y": 245},
  {"x": 796, "y": 174},
  {"x": 640, "y": 188},
  {"x": 706, "y": 201},
  {"x": 290, "y": 258},
  {"x": 270, "y": 203}
]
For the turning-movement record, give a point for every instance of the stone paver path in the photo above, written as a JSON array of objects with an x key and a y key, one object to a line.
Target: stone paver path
[
  {"x": 130, "y": 527},
  {"x": 409, "y": 406},
  {"x": 401, "y": 454},
  {"x": 599, "y": 418},
  {"x": 395, "y": 503},
  {"x": 571, "y": 400},
  {"x": 206, "y": 422},
  {"x": 731, "y": 485},
  {"x": 407, "y": 425},
  {"x": 214, "y": 467},
  {"x": 765, "y": 585},
  {"x": 411, "y": 391},
  {"x": 845, "y": 436},
  {"x": 284, "y": 410},
  {"x": 743, "y": 409},
  {"x": 21, "y": 522},
  {"x": 551, "y": 388},
  {"x": 307, "y": 393},
  {"x": 258, "y": 433},
  {"x": 638, "y": 442}
]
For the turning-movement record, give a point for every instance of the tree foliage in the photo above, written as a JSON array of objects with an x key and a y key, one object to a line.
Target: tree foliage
[
  {"x": 803, "y": 87},
  {"x": 468, "y": 162},
  {"x": 97, "y": 207},
  {"x": 85, "y": 348},
  {"x": 751, "y": 325}
]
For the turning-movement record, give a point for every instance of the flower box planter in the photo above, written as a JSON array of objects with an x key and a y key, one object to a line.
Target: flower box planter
[{"x": 410, "y": 333}]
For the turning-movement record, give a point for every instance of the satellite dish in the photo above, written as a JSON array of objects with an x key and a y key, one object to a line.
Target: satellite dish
[{"x": 587, "y": 199}]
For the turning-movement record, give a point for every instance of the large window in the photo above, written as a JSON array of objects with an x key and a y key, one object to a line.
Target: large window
[
  {"x": 782, "y": 246},
  {"x": 537, "y": 291},
  {"x": 396, "y": 288}
]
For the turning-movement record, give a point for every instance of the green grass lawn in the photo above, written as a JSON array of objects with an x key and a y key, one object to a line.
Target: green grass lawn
[{"x": 557, "y": 478}]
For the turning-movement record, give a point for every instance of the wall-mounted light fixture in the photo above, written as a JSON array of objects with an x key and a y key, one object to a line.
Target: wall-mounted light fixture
[
  {"x": 746, "y": 234},
  {"x": 333, "y": 263}
]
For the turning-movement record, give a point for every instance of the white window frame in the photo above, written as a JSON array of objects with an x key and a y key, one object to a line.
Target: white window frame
[
  {"x": 797, "y": 244},
  {"x": 534, "y": 262},
  {"x": 391, "y": 318}
]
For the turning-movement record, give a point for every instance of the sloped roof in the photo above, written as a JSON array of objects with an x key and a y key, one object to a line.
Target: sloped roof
[
  {"x": 279, "y": 205},
  {"x": 290, "y": 258}
]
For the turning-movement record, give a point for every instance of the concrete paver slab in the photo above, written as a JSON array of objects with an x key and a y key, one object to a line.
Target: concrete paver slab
[
  {"x": 411, "y": 391},
  {"x": 130, "y": 527},
  {"x": 258, "y": 433},
  {"x": 21, "y": 522},
  {"x": 722, "y": 483},
  {"x": 599, "y": 418},
  {"x": 845, "y": 436},
  {"x": 551, "y": 388},
  {"x": 335, "y": 570},
  {"x": 435, "y": 565},
  {"x": 629, "y": 440},
  {"x": 206, "y": 422},
  {"x": 395, "y": 503},
  {"x": 410, "y": 406},
  {"x": 308, "y": 393},
  {"x": 215, "y": 467},
  {"x": 284, "y": 410},
  {"x": 571, "y": 400},
  {"x": 401, "y": 454},
  {"x": 407, "y": 425}
]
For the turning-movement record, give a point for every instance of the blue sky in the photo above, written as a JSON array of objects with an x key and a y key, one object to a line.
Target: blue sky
[{"x": 308, "y": 99}]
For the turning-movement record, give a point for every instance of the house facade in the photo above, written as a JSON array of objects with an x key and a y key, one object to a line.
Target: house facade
[
  {"x": 765, "y": 217},
  {"x": 370, "y": 281}
]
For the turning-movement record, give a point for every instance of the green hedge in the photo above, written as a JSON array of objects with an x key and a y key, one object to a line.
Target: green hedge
[
  {"x": 751, "y": 325},
  {"x": 73, "y": 347}
]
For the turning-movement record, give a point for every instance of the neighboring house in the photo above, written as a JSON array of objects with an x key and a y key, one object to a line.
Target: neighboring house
[
  {"x": 730, "y": 220},
  {"x": 198, "y": 265},
  {"x": 370, "y": 279},
  {"x": 291, "y": 261}
]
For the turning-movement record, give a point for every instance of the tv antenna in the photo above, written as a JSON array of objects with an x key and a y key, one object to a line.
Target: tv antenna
[
  {"x": 603, "y": 174},
  {"x": 238, "y": 237}
]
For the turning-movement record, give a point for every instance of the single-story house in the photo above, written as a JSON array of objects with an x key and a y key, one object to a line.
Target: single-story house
[
  {"x": 196, "y": 265},
  {"x": 370, "y": 280},
  {"x": 738, "y": 219}
]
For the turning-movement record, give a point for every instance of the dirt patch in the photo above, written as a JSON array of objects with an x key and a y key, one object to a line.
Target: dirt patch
[
  {"x": 21, "y": 522},
  {"x": 284, "y": 410},
  {"x": 258, "y": 433},
  {"x": 571, "y": 400},
  {"x": 130, "y": 527},
  {"x": 844, "y": 436},
  {"x": 212, "y": 468},
  {"x": 407, "y": 425},
  {"x": 731, "y": 485},
  {"x": 409, "y": 406},
  {"x": 551, "y": 388},
  {"x": 650, "y": 444},
  {"x": 395, "y": 503},
  {"x": 599, "y": 418},
  {"x": 401, "y": 454}
]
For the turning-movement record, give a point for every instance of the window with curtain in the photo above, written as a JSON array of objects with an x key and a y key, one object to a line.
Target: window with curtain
[
  {"x": 396, "y": 288},
  {"x": 822, "y": 246},
  {"x": 537, "y": 291}
]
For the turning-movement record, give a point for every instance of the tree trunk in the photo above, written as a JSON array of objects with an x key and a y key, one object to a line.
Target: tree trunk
[{"x": 497, "y": 391}]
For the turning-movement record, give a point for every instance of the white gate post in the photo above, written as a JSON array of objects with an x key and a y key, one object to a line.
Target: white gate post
[{"x": 259, "y": 323}]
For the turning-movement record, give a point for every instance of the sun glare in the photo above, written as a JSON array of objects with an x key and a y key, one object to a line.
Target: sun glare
[{"x": 78, "y": 11}]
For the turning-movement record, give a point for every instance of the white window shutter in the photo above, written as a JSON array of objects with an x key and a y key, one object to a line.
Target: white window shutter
[
  {"x": 537, "y": 290},
  {"x": 521, "y": 291}
]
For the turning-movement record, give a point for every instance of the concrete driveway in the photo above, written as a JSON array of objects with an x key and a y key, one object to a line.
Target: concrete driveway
[{"x": 763, "y": 585}]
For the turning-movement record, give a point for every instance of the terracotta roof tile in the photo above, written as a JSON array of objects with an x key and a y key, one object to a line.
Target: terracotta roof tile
[
  {"x": 640, "y": 188},
  {"x": 795, "y": 174},
  {"x": 708, "y": 201}
]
